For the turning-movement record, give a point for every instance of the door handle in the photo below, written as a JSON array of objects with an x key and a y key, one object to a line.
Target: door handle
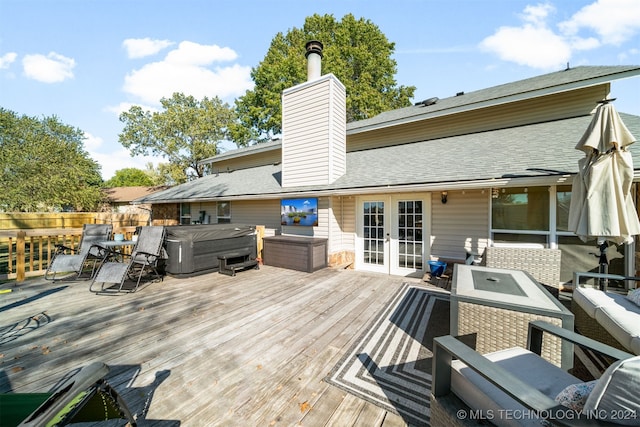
[{"x": 387, "y": 238}]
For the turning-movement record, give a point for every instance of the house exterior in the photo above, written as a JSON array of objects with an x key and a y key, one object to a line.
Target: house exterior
[
  {"x": 430, "y": 181},
  {"x": 118, "y": 199}
]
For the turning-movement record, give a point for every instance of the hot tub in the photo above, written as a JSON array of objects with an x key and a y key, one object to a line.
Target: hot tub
[{"x": 194, "y": 249}]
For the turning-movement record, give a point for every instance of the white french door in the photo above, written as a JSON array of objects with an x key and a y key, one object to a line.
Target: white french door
[{"x": 392, "y": 234}]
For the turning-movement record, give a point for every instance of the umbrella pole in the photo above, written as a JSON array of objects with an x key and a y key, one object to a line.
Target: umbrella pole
[{"x": 604, "y": 265}]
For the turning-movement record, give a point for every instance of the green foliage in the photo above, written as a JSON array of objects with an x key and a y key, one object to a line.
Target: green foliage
[
  {"x": 44, "y": 167},
  {"x": 130, "y": 177},
  {"x": 355, "y": 51},
  {"x": 185, "y": 132}
]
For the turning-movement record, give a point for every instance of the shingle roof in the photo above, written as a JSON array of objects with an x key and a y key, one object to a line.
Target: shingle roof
[
  {"x": 531, "y": 87},
  {"x": 536, "y": 150},
  {"x": 528, "y": 88},
  {"x": 127, "y": 194}
]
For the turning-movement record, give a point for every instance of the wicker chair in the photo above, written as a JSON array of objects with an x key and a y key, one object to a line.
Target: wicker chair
[
  {"x": 518, "y": 387},
  {"x": 541, "y": 263}
]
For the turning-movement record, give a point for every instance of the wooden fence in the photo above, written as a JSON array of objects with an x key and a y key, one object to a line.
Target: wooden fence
[{"x": 57, "y": 220}]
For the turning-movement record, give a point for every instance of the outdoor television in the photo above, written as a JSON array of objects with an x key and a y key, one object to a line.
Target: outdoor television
[{"x": 299, "y": 212}]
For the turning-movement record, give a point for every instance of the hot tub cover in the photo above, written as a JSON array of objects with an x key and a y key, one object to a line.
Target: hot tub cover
[{"x": 205, "y": 232}]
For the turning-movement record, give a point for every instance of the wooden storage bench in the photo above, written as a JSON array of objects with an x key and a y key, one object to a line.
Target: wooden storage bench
[
  {"x": 295, "y": 253},
  {"x": 230, "y": 262}
]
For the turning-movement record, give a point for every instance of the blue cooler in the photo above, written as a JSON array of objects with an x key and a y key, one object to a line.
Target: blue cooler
[{"x": 437, "y": 268}]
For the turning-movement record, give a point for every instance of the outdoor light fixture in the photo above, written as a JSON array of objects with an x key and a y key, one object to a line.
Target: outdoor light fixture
[{"x": 443, "y": 197}]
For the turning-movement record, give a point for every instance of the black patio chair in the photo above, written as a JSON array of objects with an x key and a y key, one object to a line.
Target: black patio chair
[
  {"x": 82, "y": 396},
  {"x": 117, "y": 267},
  {"x": 69, "y": 260}
]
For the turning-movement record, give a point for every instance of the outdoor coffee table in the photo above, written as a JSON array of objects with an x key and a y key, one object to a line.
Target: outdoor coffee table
[{"x": 496, "y": 305}]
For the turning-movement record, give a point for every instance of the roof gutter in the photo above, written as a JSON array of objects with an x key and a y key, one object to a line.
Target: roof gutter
[{"x": 407, "y": 188}]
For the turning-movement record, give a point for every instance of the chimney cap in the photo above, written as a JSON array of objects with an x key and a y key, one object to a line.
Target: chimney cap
[{"x": 313, "y": 46}]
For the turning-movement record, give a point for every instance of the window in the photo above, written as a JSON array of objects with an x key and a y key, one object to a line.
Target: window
[
  {"x": 563, "y": 200},
  {"x": 520, "y": 208},
  {"x": 224, "y": 212},
  {"x": 410, "y": 234},
  {"x": 524, "y": 215},
  {"x": 185, "y": 213}
]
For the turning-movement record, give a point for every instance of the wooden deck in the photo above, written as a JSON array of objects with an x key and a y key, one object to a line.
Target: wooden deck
[{"x": 211, "y": 350}]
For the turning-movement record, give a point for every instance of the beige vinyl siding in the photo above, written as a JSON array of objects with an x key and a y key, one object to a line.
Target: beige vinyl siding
[
  {"x": 246, "y": 162},
  {"x": 342, "y": 224},
  {"x": 551, "y": 107},
  {"x": 256, "y": 212},
  {"x": 338, "y": 133},
  {"x": 460, "y": 224},
  {"x": 309, "y": 127}
]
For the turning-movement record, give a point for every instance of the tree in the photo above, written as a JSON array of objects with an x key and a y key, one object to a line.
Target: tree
[
  {"x": 355, "y": 51},
  {"x": 44, "y": 167},
  {"x": 130, "y": 177},
  {"x": 185, "y": 132}
]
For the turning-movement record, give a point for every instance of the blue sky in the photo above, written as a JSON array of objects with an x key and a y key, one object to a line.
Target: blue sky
[{"x": 85, "y": 61}]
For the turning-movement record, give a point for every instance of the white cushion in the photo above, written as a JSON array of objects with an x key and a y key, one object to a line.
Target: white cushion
[
  {"x": 586, "y": 299},
  {"x": 622, "y": 324},
  {"x": 617, "y": 393},
  {"x": 478, "y": 393},
  {"x": 590, "y": 299},
  {"x": 624, "y": 302}
]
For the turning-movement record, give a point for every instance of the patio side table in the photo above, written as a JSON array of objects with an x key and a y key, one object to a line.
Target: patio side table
[{"x": 496, "y": 305}]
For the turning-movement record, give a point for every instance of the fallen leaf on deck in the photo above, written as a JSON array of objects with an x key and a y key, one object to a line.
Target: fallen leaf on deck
[
  {"x": 17, "y": 369},
  {"x": 45, "y": 350},
  {"x": 304, "y": 406},
  {"x": 259, "y": 367}
]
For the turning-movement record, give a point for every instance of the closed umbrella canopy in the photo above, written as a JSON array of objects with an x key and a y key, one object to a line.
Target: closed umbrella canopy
[{"x": 601, "y": 202}]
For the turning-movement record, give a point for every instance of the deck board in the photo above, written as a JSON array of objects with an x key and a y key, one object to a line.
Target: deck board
[{"x": 210, "y": 350}]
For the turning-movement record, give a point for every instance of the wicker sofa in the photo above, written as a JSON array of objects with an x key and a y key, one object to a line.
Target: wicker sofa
[
  {"x": 606, "y": 316},
  {"x": 516, "y": 386}
]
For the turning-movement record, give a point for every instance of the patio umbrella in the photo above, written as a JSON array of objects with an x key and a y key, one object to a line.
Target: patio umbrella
[{"x": 601, "y": 202}]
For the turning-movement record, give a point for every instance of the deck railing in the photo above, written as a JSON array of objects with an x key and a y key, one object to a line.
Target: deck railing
[{"x": 27, "y": 253}]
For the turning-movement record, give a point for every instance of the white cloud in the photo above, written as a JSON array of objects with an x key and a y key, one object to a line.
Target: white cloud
[
  {"x": 126, "y": 106},
  {"x": 189, "y": 69},
  {"x": 624, "y": 56},
  {"x": 533, "y": 44},
  {"x": 536, "y": 44},
  {"x": 91, "y": 142},
  {"x": 7, "y": 59},
  {"x": 189, "y": 53},
  {"x": 117, "y": 159},
  {"x": 614, "y": 21},
  {"x": 537, "y": 15},
  {"x": 52, "y": 68},
  {"x": 139, "y": 48}
]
